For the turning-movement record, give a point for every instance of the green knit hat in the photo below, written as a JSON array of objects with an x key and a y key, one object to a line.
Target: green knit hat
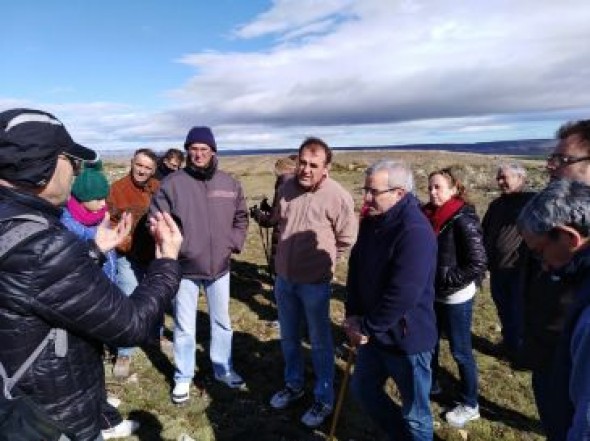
[{"x": 91, "y": 184}]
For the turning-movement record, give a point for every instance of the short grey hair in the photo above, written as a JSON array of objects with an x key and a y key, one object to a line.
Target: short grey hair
[
  {"x": 561, "y": 203},
  {"x": 399, "y": 173},
  {"x": 513, "y": 167}
]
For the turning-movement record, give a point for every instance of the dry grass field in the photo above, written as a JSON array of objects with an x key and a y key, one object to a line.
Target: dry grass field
[{"x": 216, "y": 413}]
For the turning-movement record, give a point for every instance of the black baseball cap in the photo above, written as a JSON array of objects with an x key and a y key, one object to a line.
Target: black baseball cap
[{"x": 30, "y": 142}]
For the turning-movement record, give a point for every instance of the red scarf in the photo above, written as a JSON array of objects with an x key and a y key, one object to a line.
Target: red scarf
[
  {"x": 439, "y": 215},
  {"x": 83, "y": 215},
  {"x": 365, "y": 210}
]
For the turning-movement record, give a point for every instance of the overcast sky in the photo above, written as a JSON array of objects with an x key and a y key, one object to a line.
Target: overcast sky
[{"x": 124, "y": 74}]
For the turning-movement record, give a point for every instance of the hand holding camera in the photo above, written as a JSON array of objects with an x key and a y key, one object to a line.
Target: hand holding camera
[
  {"x": 258, "y": 213},
  {"x": 265, "y": 206},
  {"x": 255, "y": 213}
]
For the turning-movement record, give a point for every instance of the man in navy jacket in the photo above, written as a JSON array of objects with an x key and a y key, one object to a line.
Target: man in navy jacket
[
  {"x": 389, "y": 310},
  {"x": 555, "y": 225}
]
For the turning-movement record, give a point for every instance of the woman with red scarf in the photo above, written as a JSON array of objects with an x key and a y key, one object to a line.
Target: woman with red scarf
[{"x": 461, "y": 264}]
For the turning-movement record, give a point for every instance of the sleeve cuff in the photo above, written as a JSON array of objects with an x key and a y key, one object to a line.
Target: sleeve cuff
[{"x": 95, "y": 253}]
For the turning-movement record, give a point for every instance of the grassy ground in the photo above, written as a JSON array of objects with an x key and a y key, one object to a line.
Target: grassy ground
[{"x": 216, "y": 413}]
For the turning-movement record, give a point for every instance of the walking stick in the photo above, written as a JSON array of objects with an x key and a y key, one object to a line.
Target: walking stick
[
  {"x": 264, "y": 247},
  {"x": 268, "y": 245},
  {"x": 341, "y": 392}
]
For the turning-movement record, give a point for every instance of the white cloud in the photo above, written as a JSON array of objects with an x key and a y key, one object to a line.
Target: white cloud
[
  {"x": 287, "y": 15},
  {"x": 111, "y": 126},
  {"x": 363, "y": 72},
  {"x": 386, "y": 62}
]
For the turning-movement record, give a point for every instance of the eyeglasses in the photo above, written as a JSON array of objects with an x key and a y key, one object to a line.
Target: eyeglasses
[
  {"x": 374, "y": 192},
  {"x": 560, "y": 160},
  {"x": 74, "y": 162}
]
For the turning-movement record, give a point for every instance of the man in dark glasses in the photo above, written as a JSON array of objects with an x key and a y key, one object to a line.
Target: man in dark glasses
[
  {"x": 52, "y": 286},
  {"x": 571, "y": 157},
  {"x": 548, "y": 295}
]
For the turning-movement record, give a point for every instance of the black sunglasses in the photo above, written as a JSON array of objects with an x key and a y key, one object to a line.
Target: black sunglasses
[
  {"x": 74, "y": 162},
  {"x": 561, "y": 160}
]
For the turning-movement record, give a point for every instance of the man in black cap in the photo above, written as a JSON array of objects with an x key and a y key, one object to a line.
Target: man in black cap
[{"x": 52, "y": 286}]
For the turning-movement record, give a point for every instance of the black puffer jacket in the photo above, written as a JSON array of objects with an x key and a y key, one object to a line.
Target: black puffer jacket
[
  {"x": 461, "y": 253},
  {"x": 51, "y": 281}
]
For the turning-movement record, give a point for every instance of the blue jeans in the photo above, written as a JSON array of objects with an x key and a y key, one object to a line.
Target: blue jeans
[
  {"x": 129, "y": 274},
  {"x": 296, "y": 302},
  {"x": 185, "y": 326},
  {"x": 506, "y": 288},
  {"x": 455, "y": 322},
  {"x": 412, "y": 375}
]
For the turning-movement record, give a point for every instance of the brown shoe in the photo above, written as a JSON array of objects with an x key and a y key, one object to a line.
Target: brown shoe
[{"x": 122, "y": 367}]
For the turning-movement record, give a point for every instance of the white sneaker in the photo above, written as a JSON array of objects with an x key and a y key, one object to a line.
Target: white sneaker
[
  {"x": 461, "y": 415},
  {"x": 121, "y": 430},
  {"x": 113, "y": 401},
  {"x": 180, "y": 393},
  {"x": 316, "y": 415},
  {"x": 231, "y": 379}
]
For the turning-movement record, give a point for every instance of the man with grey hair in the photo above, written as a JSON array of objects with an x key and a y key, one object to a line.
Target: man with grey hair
[
  {"x": 505, "y": 251},
  {"x": 555, "y": 225},
  {"x": 389, "y": 308}
]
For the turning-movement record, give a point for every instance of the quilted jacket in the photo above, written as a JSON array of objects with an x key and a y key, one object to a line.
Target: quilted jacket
[
  {"x": 461, "y": 253},
  {"x": 50, "y": 281}
]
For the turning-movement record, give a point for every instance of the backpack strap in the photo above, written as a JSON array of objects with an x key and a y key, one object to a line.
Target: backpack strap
[
  {"x": 31, "y": 224},
  {"x": 9, "y": 382}
]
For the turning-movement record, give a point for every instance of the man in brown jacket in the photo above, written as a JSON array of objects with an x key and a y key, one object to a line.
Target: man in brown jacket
[
  {"x": 317, "y": 223},
  {"x": 133, "y": 194}
]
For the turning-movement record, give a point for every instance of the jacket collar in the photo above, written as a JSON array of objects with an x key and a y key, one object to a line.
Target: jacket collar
[
  {"x": 392, "y": 215},
  {"x": 202, "y": 173},
  {"x": 14, "y": 196},
  {"x": 578, "y": 267},
  {"x": 149, "y": 186},
  {"x": 313, "y": 188}
]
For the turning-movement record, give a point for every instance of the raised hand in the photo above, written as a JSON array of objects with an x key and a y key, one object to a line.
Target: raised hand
[
  {"x": 108, "y": 237},
  {"x": 166, "y": 235}
]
